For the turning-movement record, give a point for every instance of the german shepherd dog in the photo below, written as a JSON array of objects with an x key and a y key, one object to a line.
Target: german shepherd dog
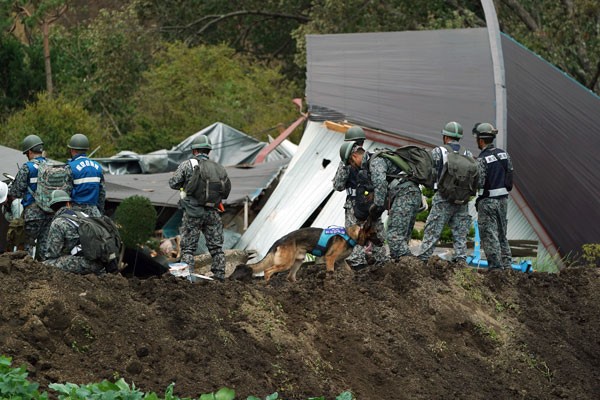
[{"x": 288, "y": 252}]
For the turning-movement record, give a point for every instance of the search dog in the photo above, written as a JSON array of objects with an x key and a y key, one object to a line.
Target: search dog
[{"x": 288, "y": 252}]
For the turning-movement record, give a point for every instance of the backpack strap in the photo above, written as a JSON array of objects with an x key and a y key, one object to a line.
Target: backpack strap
[
  {"x": 73, "y": 217},
  {"x": 396, "y": 161},
  {"x": 194, "y": 162}
]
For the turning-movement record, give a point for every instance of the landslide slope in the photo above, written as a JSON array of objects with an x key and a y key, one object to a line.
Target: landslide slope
[{"x": 404, "y": 331}]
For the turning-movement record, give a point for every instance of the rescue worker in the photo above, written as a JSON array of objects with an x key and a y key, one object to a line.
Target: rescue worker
[
  {"x": 393, "y": 192},
  {"x": 36, "y": 220},
  {"x": 198, "y": 217},
  {"x": 85, "y": 177},
  {"x": 442, "y": 211},
  {"x": 64, "y": 246},
  {"x": 346, "y": 179},
  {"x": 495, "y": 181}
]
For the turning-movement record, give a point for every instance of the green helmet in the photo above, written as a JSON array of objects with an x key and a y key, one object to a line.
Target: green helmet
[
  {"x": 32, "y": 142},
  {"x": 59, "y": 196},
  {"x": 354, "y": 133},
  {"x": 201, "y": 142},
  {"x": 346, "y": 151},
  {"x": 484, "y": 130},
  {"x": 453, "y": 129},
  {"x": 79, "y": 142}
]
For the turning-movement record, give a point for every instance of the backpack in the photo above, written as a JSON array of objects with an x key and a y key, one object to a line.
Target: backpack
[
  {"x": 209, "y": 183},
  {"x": 458, "y": 181},
  {"x": 51, "y": 177},
  {"x": 415, "y": 161},
  {"x": 99, "y": 238}
]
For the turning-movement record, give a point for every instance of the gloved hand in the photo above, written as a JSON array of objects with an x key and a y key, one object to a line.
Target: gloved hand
[{"x": 375, "y": 211}]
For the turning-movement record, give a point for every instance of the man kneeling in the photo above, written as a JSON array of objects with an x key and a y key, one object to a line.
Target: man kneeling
[{"x": 64, "y": 245}]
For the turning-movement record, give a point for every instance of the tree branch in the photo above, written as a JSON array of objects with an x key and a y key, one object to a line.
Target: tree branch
[
  {"x": 215, "y": 18},
  {"x": 523, "y": 14},
  {"x": 595, "y": 78}
]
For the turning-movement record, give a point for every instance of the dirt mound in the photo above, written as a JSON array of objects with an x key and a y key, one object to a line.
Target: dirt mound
[{"x": 404, "y": 331}]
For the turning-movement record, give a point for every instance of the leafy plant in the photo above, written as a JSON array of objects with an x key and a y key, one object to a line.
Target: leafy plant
[
  {"x": 136, "y": 218},
  {"x": 14, "y": 383},
  {"x": 591, "y": 254},
  {"x": 221, "y": 394},
  {"x": 15, "y": 386}
]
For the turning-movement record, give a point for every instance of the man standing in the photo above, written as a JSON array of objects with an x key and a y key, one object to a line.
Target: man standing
[
  {"x": 394, "y": 192},
  {"x": 203, "y": 184},
  {"x": 64, "y": 245},
  {"x": 37, "y": 222},
  {"x": 495, "y": 179},
  {"x": 85, "y": 177},
  {"x": 442, "y": 210}
]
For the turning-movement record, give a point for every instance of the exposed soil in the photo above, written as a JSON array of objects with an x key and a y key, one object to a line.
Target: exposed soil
[{"x": 404, "y": 331}]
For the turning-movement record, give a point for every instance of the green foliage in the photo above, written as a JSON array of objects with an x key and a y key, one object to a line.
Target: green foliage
[
  {"x": 591, "y": 254},
  {"x": 417, "y": 234},
  {"x": 14, "y": 383},
  {"x": 564, "y": 33},
  {"x": 102, "y": 63},
  {"x": 258, "y": 28},
  {"x": 221, "y": 394},
  {"x": 55, "y": 120},
  {"x": 191, "y": 88},
  {"x": 136, "y": 218},
  {"x": 21, "y": 74}
]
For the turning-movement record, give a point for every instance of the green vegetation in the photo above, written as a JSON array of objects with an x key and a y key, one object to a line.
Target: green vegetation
[
  {"x": 591, "y": 254},
  {"x": 15, "y": 385},
  {"x": 190, "y": 88},
  {"x": 55, "y": 120},
  {"x": 143, "y": 74},
  {"x": 136, "y": 218}
]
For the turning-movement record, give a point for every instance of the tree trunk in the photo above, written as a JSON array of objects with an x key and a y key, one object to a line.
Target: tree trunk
[{"x": 47, "y": 65}]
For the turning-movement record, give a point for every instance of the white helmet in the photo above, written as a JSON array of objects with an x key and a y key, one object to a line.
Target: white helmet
[{"x": 3, "y": 192}]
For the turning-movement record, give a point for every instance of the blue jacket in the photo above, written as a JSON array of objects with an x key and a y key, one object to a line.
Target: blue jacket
[
  {"x": 32, "y": 180},
  {"x": 498, "y": 173},
  {"x": 87, "y": 180}
]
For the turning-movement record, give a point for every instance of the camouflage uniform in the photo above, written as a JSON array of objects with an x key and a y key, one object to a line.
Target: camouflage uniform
[
  {"x": 345, "y": 179},
  {"x": 63, "y": 247},
  {"x": 403, "y": 197},
  {"x": 37, "y": 222},
  {"x": 492, "y": 207},
  {"x": 443, "y": 212},
  {"x": 198, "y": 219}
]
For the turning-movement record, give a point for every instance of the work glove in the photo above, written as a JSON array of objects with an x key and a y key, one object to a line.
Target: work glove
[{"x": 375, "y": 211}]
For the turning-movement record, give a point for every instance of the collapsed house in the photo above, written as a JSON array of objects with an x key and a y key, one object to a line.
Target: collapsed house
[
  {"x": 402, "y": 87},
  {"x": 129, "y": 174}
]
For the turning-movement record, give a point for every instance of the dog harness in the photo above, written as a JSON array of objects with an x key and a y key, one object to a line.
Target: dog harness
[{"x": 326, "y": 235}]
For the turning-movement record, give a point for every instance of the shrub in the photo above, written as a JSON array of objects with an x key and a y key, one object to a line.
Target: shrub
[
  {"x": 55, "y": 120},
  {"x": 136, "y": 217},
  {"x": 591, "y": 254}
]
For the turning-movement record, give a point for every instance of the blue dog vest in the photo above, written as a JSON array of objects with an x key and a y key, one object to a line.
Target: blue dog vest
[{"x": 326, "y": 235}]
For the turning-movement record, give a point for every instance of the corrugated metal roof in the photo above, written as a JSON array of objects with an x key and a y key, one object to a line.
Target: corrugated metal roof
[{"x": 307, "y": 182}]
